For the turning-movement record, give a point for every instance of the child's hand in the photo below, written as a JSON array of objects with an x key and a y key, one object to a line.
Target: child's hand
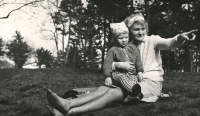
[
  {"x": 108, "y": 81},
  {"x": 140, "y": 76}
]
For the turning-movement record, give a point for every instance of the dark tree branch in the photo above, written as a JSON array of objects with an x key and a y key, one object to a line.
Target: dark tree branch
[
  {"x": 2, "y": 4},
  {"x": 121, "y": 7},
  {"x": 31, "y": 15},
  {"x": 54, "y": 4},
  {"x": 18, "y": 9},
  {"x": 1, "y": 1}
]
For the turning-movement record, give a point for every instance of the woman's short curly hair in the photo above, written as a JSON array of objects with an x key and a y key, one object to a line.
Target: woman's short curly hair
[{"x": 129, "y": 22}]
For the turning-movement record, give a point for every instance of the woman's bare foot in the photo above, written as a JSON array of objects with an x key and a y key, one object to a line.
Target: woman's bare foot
[
  {"x": 53, "y": 111},
  {"x": 57, "y": 102}
]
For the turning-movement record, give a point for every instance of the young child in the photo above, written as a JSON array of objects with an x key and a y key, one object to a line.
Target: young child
[{"x": 123, "y": 51}]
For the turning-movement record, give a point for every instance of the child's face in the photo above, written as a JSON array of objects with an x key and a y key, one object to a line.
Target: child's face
[{"x": 122, "y": 39}]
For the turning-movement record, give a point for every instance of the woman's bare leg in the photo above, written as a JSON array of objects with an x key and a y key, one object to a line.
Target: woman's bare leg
[
  {"x": 65, "y": 105},
  {"x": 114, "y": 94},
  {"x": 88, "y": 97}
]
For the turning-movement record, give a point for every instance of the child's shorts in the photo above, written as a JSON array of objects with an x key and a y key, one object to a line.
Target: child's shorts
[{"x": 125, "y": 81}]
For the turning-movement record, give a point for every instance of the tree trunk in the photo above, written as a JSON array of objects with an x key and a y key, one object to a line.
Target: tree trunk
[
  {"x": 85, "y": 49},
  {"x": 179, "y": 54},
  {"x": 109, "y": 36},
  {"x": 104, "y": 39},
  {"x": 63, "y": 46},
  {"x": 147, "y": 12},
  {"x": 74, "y": 58},
  {"x": 91, "y": 47},
  {"x": 199, "y": 60},
  {"x": 168, "y": 60},
  {"x": 132, "y": 6},
  {"x": 91, "y": 53},
  {"x": 69, "y": 34},
  {"x": 196, "y": 59},
  {"x": 84, "y": 52},
  {"x": 191, "y": 60},
  {"x": 187, "y": 60},
  {"x": 56, "y": 42}
]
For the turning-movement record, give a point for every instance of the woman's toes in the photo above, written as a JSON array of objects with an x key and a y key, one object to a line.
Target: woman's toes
[{"x": 50, "y": 110}]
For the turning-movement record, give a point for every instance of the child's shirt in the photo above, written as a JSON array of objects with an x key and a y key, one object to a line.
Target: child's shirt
[{"x": 119, "y": 54}]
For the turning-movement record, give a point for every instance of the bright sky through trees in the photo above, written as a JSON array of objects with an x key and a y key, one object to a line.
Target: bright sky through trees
[{"x": 28, "y": 20}]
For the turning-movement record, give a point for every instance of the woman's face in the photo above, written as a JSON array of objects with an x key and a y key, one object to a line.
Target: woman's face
[
  {"x": 138, "y": 32},
  {"x": 122, "y": 39}
]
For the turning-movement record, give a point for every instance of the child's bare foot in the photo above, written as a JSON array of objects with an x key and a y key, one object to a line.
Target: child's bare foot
[{"x": 57, "y": 102}]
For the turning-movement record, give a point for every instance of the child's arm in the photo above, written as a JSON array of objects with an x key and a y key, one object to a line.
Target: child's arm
[
  {"x": 140, "y": 76},
  {"x": 107, "y": 65}
]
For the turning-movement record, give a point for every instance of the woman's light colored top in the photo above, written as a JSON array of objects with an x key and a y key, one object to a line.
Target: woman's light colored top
[{"x": 150, "y": 55}]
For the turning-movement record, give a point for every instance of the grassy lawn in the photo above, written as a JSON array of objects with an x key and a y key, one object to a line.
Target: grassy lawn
[{"x": 23, "y": 93}]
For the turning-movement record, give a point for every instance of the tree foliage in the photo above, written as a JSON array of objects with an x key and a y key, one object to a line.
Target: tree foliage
[
  {"x": 168, "y": 18},
  {"x": 86, "y": 29},
  {"x": 1, "y": 47},
  {"x": 44, "y": 57},
  {"x": 19, "y": 50}
]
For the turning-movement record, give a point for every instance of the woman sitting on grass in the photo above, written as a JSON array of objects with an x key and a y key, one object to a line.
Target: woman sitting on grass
[
  {"x": 151, "y": 85},
  {"x": 149, "y": 47}
]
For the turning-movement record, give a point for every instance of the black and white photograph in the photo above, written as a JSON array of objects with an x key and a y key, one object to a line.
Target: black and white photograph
[{"x": 100, "y": 57}]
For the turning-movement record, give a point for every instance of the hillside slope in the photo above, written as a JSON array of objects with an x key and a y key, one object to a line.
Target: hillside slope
[
  {"x": 5, "y": 64},
  {"x": 23, "y": 93}
]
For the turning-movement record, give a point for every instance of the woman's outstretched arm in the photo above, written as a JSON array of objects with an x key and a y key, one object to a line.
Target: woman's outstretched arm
[
  {"x": 171, "y": 43},
  {"x": 186, "y": 36}
]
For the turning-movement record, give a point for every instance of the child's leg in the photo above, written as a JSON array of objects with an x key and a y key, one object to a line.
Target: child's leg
[
  {"x": 129, "y": 84},
  {"x": 126, "y": 81}
]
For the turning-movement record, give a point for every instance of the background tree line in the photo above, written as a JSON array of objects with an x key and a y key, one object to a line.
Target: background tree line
[
  {"x": 85, "y": 29},
  {"x": 19, "y": 51},
  {"x": 90, "y": 38}
]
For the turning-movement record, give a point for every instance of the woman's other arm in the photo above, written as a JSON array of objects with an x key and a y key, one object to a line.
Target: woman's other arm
[{"x": 127, "y": 66}]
